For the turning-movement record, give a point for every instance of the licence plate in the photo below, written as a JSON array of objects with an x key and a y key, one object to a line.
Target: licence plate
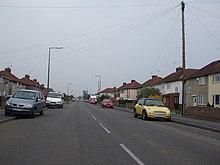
[
  {"x": 17, "y": 109},
  {"x": 159, "y": 115}
]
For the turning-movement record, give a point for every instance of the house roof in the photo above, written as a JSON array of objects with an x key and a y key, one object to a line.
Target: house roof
[
  {"x": 211, "y": 68},
  {"x": 153, "y": 81},
  {"x": 108, "y": 90},
  {"x": 26, "y": 80},
  {"x": 7, "y": 73},
  {"x": 178, "y": 75},
  {"x": 132, "y": 85}
]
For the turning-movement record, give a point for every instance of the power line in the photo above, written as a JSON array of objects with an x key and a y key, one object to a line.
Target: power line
[
  {"x": 81, "y": 7},
  {"x": 205, "y": 27},
  {"x": 208, "y": 13}
]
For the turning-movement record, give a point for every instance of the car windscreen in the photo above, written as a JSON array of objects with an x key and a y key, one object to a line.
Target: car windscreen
[
  {"x": 153, "y": 103},
  {"x": 55, "y": 95},
  {"x": 106, "y": 100},
  {"x": 25, "y": 95}
]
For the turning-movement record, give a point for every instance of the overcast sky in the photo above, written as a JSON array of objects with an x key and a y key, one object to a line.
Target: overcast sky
[{"x": 117, "y": 39}]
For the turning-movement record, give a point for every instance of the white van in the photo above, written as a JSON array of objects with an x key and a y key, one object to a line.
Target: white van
[{"x": 55, "y": 99}]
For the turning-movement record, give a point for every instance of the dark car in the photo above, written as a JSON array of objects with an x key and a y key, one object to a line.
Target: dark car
[
  {"x": 25, "y": 102},
  {"x": 107, "y": 103}
]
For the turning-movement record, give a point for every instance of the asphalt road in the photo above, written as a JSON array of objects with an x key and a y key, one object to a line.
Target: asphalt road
[{"x": 81, "y": 133}]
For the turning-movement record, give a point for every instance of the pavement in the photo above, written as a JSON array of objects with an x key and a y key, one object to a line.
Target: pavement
[{"x": 203, "y": 124}]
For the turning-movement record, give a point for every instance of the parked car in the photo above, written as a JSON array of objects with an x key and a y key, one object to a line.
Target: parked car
[
  {"x": 106, "y": 103},
  {"x": 151, "y": 108},
  {"x": 55, "y": 99},
  {"x": 8, "y": 97},
  {"x": 25, "y": 102},
  {"x": 92, "y": 101}
]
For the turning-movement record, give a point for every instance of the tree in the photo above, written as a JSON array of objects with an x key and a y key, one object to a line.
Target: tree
[
  {"x": 104, "y": 97},
  {"x": 85, "y": 96},
  {"x": 149, "y": 92}
]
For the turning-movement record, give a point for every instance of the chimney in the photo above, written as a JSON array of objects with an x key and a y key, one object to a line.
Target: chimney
[
  {"x": 27, "y": 76},
  {"x": 35, "y": 80},
  {"x": 132, "y": 81},
  {"x": 124, "y": 83},
  {"x": 154, "y": 76},
  {"x": 8, "y": 70},
  {"x": 178, "y": 69}
]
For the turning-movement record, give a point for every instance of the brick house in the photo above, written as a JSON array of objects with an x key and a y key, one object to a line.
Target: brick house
[
  {"x": 9, "y": 83},
  {"x": 151, "y": 83},
  {"x": 203, "y": 87},
  {"x": 172, "y": 88},
  {"x": 128, "y": 91},
  {"x": 108, "y": 91}
]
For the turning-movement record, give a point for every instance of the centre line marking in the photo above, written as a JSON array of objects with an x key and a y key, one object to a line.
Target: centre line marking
[
  {"x": 132, "y": 155},
  {"x": 94, "y": 117},
  {"x": 104, "y": 128}
]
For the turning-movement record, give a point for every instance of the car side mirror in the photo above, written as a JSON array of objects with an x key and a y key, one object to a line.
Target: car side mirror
[{"x": 140, "y": 104}]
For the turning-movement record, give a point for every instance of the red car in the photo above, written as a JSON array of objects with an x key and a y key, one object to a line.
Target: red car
[
  {"x": 107, "y": 103},
  {"x": 92, "y": 101}
]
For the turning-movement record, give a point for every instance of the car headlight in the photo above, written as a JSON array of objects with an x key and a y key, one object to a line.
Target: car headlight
[
  {"x": 28, "y": 106},
  {"x": 168, "y": 110},
  {"x": 148, "y": 109},
  {"x": 8, "y": 103}
]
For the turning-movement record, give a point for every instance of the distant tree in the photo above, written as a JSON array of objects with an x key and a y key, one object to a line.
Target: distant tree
[
  {"x": 85, "y": 96},
  {"x": 104, "y": 97},
  {"x": 149, "y": 92}
]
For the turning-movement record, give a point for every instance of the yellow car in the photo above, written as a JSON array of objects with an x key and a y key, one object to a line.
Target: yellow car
[{"x": 151, "y": 108}]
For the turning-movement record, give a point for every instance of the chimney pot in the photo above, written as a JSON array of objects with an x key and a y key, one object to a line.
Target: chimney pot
[{"x": 8, "y": 70}]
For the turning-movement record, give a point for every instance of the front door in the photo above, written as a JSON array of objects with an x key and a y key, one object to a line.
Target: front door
[{"x": 194, "y": 101}]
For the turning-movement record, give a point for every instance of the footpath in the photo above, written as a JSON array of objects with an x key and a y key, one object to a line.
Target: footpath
[
  {"x": 203, "y": 124},
  {"x": 208, "y": 125}
]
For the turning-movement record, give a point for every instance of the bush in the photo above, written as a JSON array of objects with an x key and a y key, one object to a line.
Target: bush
[{"x": 123, "y": 102}]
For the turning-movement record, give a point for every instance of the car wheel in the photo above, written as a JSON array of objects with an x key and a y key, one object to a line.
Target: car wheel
[
  {"x": 144, "y": 115},
  {"x": 33, "y": 114},
  {"x": 6, "y": 113},
  {"x": 134, "y": 113},
  {"x": 42, "y": 112}
]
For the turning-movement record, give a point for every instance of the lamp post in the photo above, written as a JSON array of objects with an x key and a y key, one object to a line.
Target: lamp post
[
  {"x": 99, "y": 82},
  {"x": 68, "y": 86},
  {"x": 48, "y": 72}
]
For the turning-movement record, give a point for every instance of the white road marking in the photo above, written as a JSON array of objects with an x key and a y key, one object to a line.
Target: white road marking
[
  {"x": 94, "y": 117},
  {"x": 132, "y": 155},
  {"x": 104, "y": 128}
]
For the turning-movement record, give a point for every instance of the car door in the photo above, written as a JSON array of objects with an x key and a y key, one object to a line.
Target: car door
[
  {"x": 39, "y": 102},
  {"x": 139, "y": 106}
]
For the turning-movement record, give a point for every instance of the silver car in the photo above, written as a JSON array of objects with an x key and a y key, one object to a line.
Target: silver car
[{"x": 26, "y": 102}]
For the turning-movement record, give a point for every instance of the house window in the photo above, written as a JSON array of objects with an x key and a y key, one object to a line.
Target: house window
[
  {"x": 1, "y": 79},
  {"x": 217, "y": 99},
  {"x": 176, "y": 89},
  {"x": 201, "y": 100},
  {"x": 168, "y": 85},
  {"x": 17, "y": 84},
  {"x": 201, "y": 80},
  {"x": 176, "y": 100},
  {"x": 122, "y": 91},
  {"x": 189, "y": 89},
  {"x": 216, "y": 78}
]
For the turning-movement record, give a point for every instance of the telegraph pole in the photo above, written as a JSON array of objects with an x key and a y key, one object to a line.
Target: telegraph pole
[{"x": 183, "y": 57}]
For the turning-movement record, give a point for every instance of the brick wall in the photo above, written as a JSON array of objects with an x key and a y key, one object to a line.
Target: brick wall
[{"x": 205, "y": 113}]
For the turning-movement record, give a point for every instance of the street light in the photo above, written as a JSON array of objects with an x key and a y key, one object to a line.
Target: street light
[
  {"x": 99, "y": 82},
  {"x": 48, "y": 72},
  {"x": 68, "y": 88}
]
